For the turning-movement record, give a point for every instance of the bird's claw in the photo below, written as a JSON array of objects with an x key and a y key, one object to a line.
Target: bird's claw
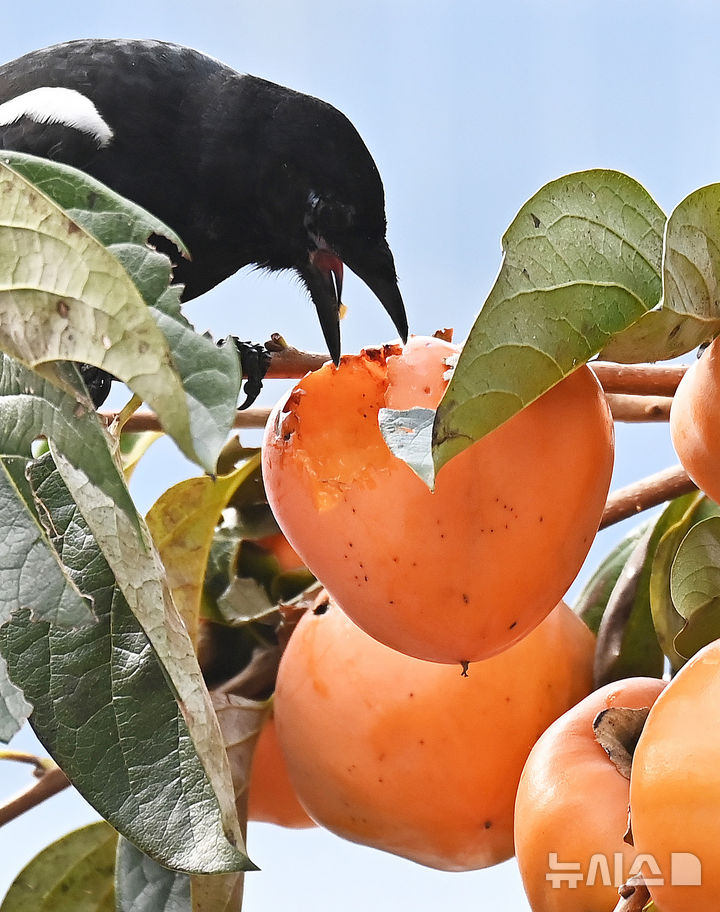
[{"x": 254, "y": 361}]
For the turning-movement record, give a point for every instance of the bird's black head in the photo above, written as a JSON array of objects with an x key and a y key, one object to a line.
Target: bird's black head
[{"x": 324, "y": 206}]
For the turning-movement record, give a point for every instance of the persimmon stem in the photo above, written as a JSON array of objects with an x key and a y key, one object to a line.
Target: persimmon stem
[
  {"x": 634, "y": 896},
  {"x": 52, "y": 780},
  {"x": 646, "y": 493}
]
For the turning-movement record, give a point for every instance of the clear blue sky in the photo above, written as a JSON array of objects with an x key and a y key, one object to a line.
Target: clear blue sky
[{"x": 468, "y": 109}]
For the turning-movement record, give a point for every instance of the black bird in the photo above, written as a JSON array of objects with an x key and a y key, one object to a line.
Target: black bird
[{"x": 244, "y": 170}]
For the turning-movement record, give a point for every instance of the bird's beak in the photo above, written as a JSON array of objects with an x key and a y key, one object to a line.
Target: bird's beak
[
  {"x": 373, "y": 263},
  {"x": 375, "y": 266},
  {"x": 323, "y": 277}
]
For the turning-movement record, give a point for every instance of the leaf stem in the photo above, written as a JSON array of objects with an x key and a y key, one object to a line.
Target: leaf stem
[
  {"x": 51, "y": 781},
  {"x": 646, "y": 493}
]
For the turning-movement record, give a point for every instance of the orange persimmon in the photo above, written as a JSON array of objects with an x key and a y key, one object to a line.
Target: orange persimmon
[
  {"x": 461, "y": 573},
  {"x": 271, "y": 797},
  {"x": 571, "y": 810},
  {"x": 695, "y": 421},
  {"x": 675, "y": 788},
  {"x": 409, "y": 756}
]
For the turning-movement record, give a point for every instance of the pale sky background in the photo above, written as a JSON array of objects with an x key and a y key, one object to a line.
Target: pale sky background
[{"x": 468, "y": 109}]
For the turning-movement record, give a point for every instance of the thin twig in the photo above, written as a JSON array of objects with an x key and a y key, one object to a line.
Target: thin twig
[
  {"x": 639, "y": 379},
  {"x": 646, "y": 493},
  {"x": 50, "y": 783},
  {"x": 148, "y": 421}
]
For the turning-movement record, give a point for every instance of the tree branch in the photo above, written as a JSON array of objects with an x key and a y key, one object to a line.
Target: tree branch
[
  {"x": 639, "y": 379},
  {"x": 646, "y": 493},
  {"x": 632, "y": 408},
  {"x": 51, "y": 781}
]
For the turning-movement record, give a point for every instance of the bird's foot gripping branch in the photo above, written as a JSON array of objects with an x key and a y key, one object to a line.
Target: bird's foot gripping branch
[{"x": 144, "y": 615}]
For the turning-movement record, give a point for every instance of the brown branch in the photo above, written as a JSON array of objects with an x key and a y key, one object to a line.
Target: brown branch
[
  {"x": 639, "y": 379},
  {"x": 625, "y": 407},
  {"x": 290, "y": 363},
  {"x": 646, "y": 493},
  {"x": 50, "y": 783},
  {"x": 148, "y": 421}
]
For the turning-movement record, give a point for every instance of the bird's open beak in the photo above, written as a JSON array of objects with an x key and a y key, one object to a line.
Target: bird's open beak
[
  {"x": 324, "y": 278},
  {"x": 374, "y": 265}
]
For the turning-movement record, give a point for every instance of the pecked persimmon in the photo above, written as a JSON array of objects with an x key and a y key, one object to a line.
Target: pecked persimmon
[
  {"x": 675, "y": 788},
  {"x": 463, "y": 572},
  {"x": 571, "y": 810},
  {"x": 271, "y": 797},
  {"x": 695, "y": 421},
  {"x": 409, "y": 756}
]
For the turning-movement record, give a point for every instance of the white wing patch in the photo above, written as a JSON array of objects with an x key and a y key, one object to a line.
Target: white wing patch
[{"x": 54, "y": 104}]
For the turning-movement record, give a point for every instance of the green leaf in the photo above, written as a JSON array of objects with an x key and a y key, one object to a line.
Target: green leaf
[
  {"x": 117, "y": 731},
  {"x": 692, "y": 259},
  {"x": 670, "y": 529},
  {"x": 142, "y": 885},
  {"x": 28, "y": 556},
  {"x": 593, "y": 600},
  {"x": 408, "y": 434},
  {"x": 14, "y": 708},
  {"x": 695, "y": 586},
  {"x": 690, "y": 312},
  {"x": 31, "y": 407},
  {"x": 627, "y": 645},
  {"x": 74, "y": 874},
  {"x": 67, "y": 297},
  {"x": 581, "y": 263}
]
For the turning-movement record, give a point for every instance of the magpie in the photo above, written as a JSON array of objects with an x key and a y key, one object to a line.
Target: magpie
[{"x": 245, "y": 171}]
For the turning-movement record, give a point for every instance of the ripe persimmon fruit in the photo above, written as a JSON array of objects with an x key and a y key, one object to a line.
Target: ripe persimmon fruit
[
  {"x": 457, "y": 574},
  {"x": 675, "y": 788},
  {"x": 571, "y": 810},
  {"x": 271, "y": 797},
  {"x": 695, "y": 421},
  {"x": 409, "y": 756}
]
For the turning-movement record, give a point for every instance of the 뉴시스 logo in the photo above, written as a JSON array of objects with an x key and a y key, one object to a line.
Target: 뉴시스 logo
[{"x": 685, "y": 871}]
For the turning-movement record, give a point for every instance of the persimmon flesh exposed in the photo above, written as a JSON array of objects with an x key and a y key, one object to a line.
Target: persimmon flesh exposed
[
  {"x": 410, "y": 756},
  {"x": 695, "y": 421},
  {"x": 457, "y": 574},
  {"x": 571, "y": 810}
]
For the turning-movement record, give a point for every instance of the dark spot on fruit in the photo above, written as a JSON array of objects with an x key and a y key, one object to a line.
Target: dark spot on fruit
[
  {"x": 487, "y": 824},
  {"x": 514, "y": 624},
  {"x": 466, "y": 598},
  {"x": 63, "y": 309}
]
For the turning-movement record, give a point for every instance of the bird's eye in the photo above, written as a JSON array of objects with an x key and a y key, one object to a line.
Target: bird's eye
[{"x": 326, "y": 214}]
